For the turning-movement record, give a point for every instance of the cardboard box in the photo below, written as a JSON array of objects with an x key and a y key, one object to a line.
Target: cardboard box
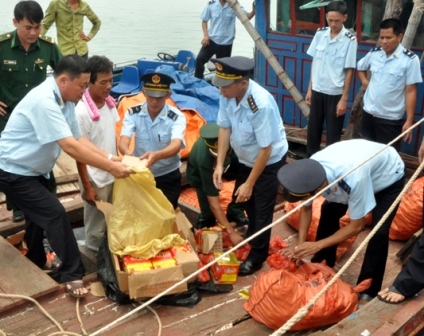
[
  {"x": 149, "y": 283},
  {"x": 225, "y": 271},
  {"x": 209, "y": 240}
]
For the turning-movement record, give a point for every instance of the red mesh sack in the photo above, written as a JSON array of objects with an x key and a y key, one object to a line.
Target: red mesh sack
[
  {"x": 276, "y": 244},
  {"x": 266, "y": 305},
  {"x": 293, "y": 221},
  {"x": 409, "y": 217}
]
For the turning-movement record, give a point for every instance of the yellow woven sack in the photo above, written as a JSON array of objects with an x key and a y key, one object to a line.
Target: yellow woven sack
[{"x": 142, "y": 218}]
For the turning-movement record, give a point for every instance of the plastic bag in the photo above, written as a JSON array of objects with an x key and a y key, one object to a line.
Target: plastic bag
[
  {"x": 409, "y": 216},
  {"x": 279, "y": 261},
  {"x": 293, "y": 221},
  {"x": 276, "y": 296},
  {"x": 142, "y": 219},
  {"x": 106, "y": 274},
  {"x": 189, "y": 298},
  {"x": 276, "y": 244}
]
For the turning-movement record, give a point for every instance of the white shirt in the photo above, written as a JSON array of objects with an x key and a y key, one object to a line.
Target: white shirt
[{"x": 102, "y": 134}]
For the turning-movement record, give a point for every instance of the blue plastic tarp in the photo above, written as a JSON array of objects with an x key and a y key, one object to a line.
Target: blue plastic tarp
[{"x": 193, "y": 93}]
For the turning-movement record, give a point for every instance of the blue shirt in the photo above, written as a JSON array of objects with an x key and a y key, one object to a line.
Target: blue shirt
[
  {"x": 222, "y": 27},
  {"x": 253, "y": 126},
  {"x": 385, "y": 95},
  {"x": 358, "y": 188},
  {"x": 28, "y": 144},
  {"x": 152, "y": 136},
  {"x": 330, "y": 59}
]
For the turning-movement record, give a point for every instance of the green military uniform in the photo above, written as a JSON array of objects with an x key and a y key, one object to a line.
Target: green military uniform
[
  {"x": 199, "y": 173},
  {"x": 21, "y": 71}
]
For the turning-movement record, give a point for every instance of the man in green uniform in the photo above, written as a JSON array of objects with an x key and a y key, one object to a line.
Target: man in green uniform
[
  {"x": 200, "y": 165},
  {"x": 24, "y": 57}
]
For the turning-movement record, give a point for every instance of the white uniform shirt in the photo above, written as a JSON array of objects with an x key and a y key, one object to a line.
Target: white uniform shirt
[
  {"x": 102, "y": 134},
  {"x": 151, "y": 136},
  {"x": 330, "y": 59},
  {"x": 222, "y": 27},
  {"x": 252, "y": 130},
  {"x": 385, "y": 95},
  {"x": 28, "y": 144},
  {"x": 358, "y": 188}
]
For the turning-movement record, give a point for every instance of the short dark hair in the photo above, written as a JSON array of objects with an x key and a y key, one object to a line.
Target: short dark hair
[
  {"x": 337, "y": 6},
  {"x": 98, "y": 64},
  {"x": 393, "y": 23},
  {"x": 29, "y": 9},
  {"x": 71, "y": 65}
]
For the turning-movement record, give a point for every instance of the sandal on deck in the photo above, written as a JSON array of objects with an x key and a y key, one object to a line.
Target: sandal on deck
[
  {"x": 392, "y": 289},
  {"x": 72, "y": 286}
]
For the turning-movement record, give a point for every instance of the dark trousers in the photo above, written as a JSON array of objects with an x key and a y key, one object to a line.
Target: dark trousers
[
  {"x": 381, "y": 130},
  {"x": 260, "y": 208},
  {"x": 206, "y": 216},
  {"x": 50, "y": 185},
  {"x": 411, "y": 279},
  {"x": 44, "y": 213},
  {"x": 376, "y": 253},
  {"x": 170, "y": 184},
  {"x": 323, "y": 109},
  {"x": 207, "y": 52}
]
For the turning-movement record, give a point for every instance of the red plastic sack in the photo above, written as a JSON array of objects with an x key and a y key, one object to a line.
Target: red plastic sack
[
  {"x": 276, "y": 296},
  {"x": 279, "y": 261},
  {"x": 293, "y": 221},
  {"x": 409, "y": 217},
  {"x": 203, "y": 276},
  {"x": 276, "y": 244},
  {"x": 242, "y": 252}
]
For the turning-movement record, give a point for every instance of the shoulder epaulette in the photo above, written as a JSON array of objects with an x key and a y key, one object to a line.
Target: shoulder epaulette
[
  {"x": 211, "y": 2},
  {"x": 322, "y": 28},
  {"x": 375, "y": 49},
  {"x": 342, "y": 184},
  {"x": 172, "y": 115},
  {"x": 252, "y": 103},
  {"x": 409, "y": 53},
  {"x": 135, "y": 109},
  {"x": 5, "y": 37},
  {"x": 350, "y": 35},
  {"x": 46, "y": 38}
]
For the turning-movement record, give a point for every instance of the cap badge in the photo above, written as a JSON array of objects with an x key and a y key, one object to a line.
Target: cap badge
[
  {"x": 218, "y": 66},
  {"x": 156, "y": 79}
]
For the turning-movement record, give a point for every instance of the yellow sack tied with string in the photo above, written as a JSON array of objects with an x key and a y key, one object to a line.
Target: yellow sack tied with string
[{"x": 142, "y": 219}]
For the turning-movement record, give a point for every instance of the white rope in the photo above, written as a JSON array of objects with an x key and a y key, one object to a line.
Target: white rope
[
  {"x": 110, "y": 325},
  {"x": 304, "y": 310}
]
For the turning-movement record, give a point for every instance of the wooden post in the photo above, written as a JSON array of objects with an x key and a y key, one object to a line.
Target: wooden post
[
  {"x": 413, "y": 22},
  {"x": 298, "y": 98},
  {"x": 393, "y": 10}
]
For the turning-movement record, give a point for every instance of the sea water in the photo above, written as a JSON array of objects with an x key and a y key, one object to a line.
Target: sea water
[{"x": 133, "y": 29}]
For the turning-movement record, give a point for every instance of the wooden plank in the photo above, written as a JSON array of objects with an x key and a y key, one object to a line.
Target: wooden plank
[
  {"x": 20, "y": 276},
  {"x": 67, "y": 164},
  {"x": 67, "y": 179}
]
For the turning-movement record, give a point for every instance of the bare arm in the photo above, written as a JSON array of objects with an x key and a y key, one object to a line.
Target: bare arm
[
  {"x": 252, "y": 13},
  {"x": 410, "y": 101},
  {"x": 222, "y": 219},
  {"x": 244, "y": 192},
  {"x": 308, "y": 97},
  {"x": 363, "y": 78},
  {"x": 205, "y": 40},
  {"x": 85, "y": 154},
  {"x": 341, "y": 106},
  {"x": 124, "y": 145},
  {"x": 90, "y": 194},
  {"x": 223, "y": 146}
]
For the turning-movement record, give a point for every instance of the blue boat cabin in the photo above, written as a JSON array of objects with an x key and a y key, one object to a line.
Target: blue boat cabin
[{"x": 288, "y": 32}]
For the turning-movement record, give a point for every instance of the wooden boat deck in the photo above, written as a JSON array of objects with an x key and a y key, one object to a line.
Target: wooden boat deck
[
  {"x": 221, "y": 314},
  {"x": 216, "y": 314}
]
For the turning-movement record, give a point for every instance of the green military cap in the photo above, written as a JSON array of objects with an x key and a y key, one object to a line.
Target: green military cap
[
  {"x": 209, "y": 133},
  {"x": 157, "y": 84},
  {"x": 230, "y": 69}
]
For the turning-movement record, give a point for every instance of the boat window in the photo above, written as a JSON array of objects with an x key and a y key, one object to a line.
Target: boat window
[
  {"x": 372, "y": 15},
  {"x": 279, "y": 16},
  {"x": 307, "y": 20}
]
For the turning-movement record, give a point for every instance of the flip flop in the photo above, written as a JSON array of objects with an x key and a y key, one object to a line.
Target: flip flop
[
  {"x": 392, "y": 289},
  {"x": 74, "y": 286}
]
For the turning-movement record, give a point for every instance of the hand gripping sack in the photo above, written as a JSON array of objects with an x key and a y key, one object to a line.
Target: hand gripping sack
[
  {"x": 277, "y": 295},
  {"x": 142, "y": 219}
]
